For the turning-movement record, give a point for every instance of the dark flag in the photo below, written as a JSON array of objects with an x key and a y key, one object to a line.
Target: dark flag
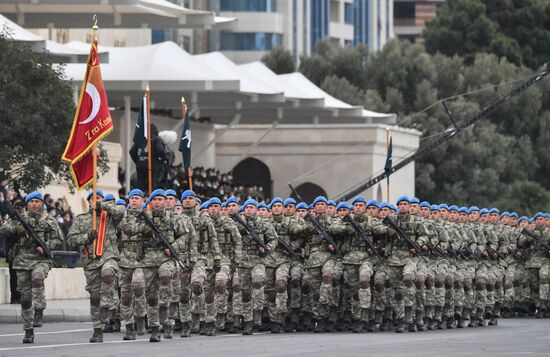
[
  {"x": 389, "y": 162},
  {"x": 140, "y": 133},
  {"x": 185, "y": 143}
]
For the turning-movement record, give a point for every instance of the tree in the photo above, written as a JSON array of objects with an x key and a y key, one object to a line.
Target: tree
[
  {"x": 37, "y": 110},
  {"x": 279, "y": 60}
]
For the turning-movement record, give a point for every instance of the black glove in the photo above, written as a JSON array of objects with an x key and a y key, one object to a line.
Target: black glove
[
  {"x": 20, "y": 230},
  {"x": 147, "y": 231},
  {"x": 217, "y": 265},
  {"x": 92, "y": 235}
]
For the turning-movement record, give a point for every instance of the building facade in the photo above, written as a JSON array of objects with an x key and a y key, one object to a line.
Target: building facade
[{"x": 410, "y": 17}]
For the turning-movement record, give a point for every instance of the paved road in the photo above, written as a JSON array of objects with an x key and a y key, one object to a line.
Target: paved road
[{"x": 515, "y": 337}]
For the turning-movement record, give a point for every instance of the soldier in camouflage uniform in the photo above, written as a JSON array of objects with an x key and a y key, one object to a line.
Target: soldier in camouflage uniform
[
  {"x": 499, "y": 264},
  {"x": 100, "y": 270},
  {"x": 252, "y": 267},
  {"x": 230, "y": 244},
  {"x": 383, "y": 292},
  {"x": 467, "y": 269},
  {"x": 430, "y": 214},
  {"x": 522, "y": 291},
  {"x": 508, "y": 261},
  {"x": 30, "y": 264},
  {"x": 538, "y": 265},
  {"x": 359, "y": 266}
]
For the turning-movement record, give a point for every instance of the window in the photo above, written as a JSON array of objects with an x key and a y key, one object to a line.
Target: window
[
  {"x": 320, "y": 15},
  {"x": 404, "y": 10},
  {"x": 249, "y": 5},
  {"x": 249, "y": 41},
  {"x": 348, "y": 13}
]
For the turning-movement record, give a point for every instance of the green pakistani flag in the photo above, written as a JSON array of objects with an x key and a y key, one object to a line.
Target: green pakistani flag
[
  {"x": 185, "y": 143},
  {"x": 140, "y": 132},
  {"x": 389, "y": 162}
]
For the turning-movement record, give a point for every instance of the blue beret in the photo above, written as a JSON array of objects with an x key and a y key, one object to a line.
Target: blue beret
[
  {"x": 320, "y": 199},
  {"x": 359, "y": 199},
  {"x": 203, "y": 206},
  {"x": 463, "y": 210},
  {"x": 403, "y": 198},
  {"x": 505, "y": 213},
  {"x": 434, "y": 208},
  {"x": 136, "y": 192},
  {"x": 224, "y": 204},
  {"x": 372, "y": 203},
  {"x": 523, "y": 218},
  {"x": 159, "y": 192},
  {"x": 98, "y": 192},
  {"x": 342, "y": 205},
  {"x": 213, "y": 201},
  {"x": 241, "y": 209},
  {"x": 473, "y": 209},
  {"x": 170, "y": 192},
  {"x": 178, "y": 204},
  {"x": 531, "y": 220},
  {"x": 301, "y": 205},
  {"x": 275, "y": 200},
  {"x": 394, "y": 208},
  {"x": 414, "y": 200},
  {"x": 514, "y": 214},
  {"x": 120, "y": 201},
  {"x": 425, "y": 204},
  {"x": 232, "y": 200},
  {"x": 383, "y": 204},
  {"x": 483, "y": 211},
  {"x": 453, "y": 208},
  {"x": 187, "y": 193},
  {"x": 331, "y": 203},
  {"x": 33, "y": 196},
  {"x": 494, "y": 210},
  {"x": 250, "y": 201},
  {"x": 289, "y": 201},
  {"x": 443, "y": 206},
  {"x": 538, "y": 214},
  {"x": 260, "y": 205},
  {"x": 110, "y": 197},
  {"x": 310, "y": 207},
  {"x": 547, "y": 215},
  {"x": 144, "y": 206},
  {"x": 198, "y": 200}
]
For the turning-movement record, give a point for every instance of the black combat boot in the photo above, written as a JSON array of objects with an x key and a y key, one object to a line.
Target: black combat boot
[
  {"x": 104, "y": 315},
  {"x": 168, "y": 330},
  {"x": 116, "y": 325},
  {"x": 195, "y": 323},
  {"x": 140, "y": 326},
  {"x": 321, "y": 326},
  {"x": 210, "y": 328},
  {"x": 409, "y": 319},
  {"x": 185, "y": 329},
  {"x": 419, "y": 320},
  {"x": 177, "y": 325},
  {"x": 130, "y": 333},
  {"x": 155, "y": 334},
  {"x": 38, "y": 318},
  {"x": 307, "y": 322},
  {"x": 247, "y": 328},
  {"x": 220, "y": 321},
  {"x": 257, "y": 318},
  {"x": 399, "y": 326},
  {"x": 97, "y": 336},
  {"x": 356, "y": 326},
  {"x": 29, "y": 336}
]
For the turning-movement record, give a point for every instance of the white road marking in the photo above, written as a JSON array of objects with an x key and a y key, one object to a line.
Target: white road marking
[
  {"x": 46, "y": 333},
  {"x": 68, "y": 345}
]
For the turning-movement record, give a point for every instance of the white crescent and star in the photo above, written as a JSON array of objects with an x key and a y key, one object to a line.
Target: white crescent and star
[{"x": 96, "y": 102}]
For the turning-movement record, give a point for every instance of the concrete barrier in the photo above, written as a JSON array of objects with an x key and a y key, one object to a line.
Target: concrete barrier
[{"x": 61, "y": 284}]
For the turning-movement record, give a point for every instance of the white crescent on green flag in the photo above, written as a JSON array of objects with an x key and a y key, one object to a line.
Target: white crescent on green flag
[
  {"x": 185, "y": 143},
  {"x": 140, "y": 133}
]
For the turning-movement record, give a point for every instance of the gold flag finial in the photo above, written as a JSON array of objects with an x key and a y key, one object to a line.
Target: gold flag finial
[
  {"x": 95, "y": 28},
  {"x": 183, "y": 99},
  {"x": 147, "y": 89}
]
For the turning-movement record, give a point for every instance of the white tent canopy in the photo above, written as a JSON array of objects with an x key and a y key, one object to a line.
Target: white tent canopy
[{"x": 110, "y": 14}]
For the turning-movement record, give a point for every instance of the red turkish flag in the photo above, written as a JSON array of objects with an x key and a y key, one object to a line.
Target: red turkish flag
[{"x": 92, "y": 122}]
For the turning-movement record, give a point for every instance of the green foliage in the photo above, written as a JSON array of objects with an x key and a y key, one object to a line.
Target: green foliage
[
  {"x": 517, "y": 30},
  {"x": 36, "y": 117},
  {"x": 279, "y": 60}
]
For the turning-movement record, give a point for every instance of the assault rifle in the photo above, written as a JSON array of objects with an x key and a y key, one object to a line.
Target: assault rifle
[
  {"x": 475, "y": 254},
  {"x": 253, "y": 235},
  {"x": 12, "y": 212},
  {"x": 537, "y": 239},
  {"x": 348, "y": 219},
  {"x": 287, "y": 248},
  {"x": 404, "y": 236},
  {"x": 492, "y": 253},
  {"x": 437, "y": 250},
  {"x": 160, "y": 239}
]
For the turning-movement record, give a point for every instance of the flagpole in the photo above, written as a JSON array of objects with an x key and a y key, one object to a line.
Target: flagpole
[
  {"x": 149, "y": 163},
  {"x": 95, "y": 29},
  {"x": 387, "y": 151},
  {"x": 183, "y": 115}
]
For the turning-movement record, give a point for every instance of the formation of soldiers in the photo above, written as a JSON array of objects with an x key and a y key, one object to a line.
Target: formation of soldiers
[{"x": 173, "y": 263}]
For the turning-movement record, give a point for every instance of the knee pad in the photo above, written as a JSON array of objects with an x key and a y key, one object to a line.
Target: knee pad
[
  {"x": 247, "y": 295},
  {"x": 398, "y": 294},
  {"x": 126, "y": 299},
  {"x": 95, "y": 299},
  {"x": 257, "y": 284},
  {"x": 467, "y": 285},
  {"x": 480, "y": 285},
  {"x": 498, "y": 285},
  {"x": 327, "y": 278},
  {"x": 26, "y": 303},
  {"x": 508, "y": 285},
  {"x": 280, "y": 286},
  {"x": 295, "y": 283},
  {"x": 271, "y": 296},
  {"x": 408, "y": 281},
  {"x": 237, "y": 288},
  {"x": 138, "y": 289},
  {"x": 379, "y": 286},
  {"x": 448, "y": 282},
  {"x": 490, "y": 287},
  {"x": 316, "y": 296},
  {"x": 108, "y": 276},
  {"x": 37, "y": 281},
  {"x": 457, "y": 284},
  {"x": 429, "y": 283},
  {"x": 364, "y": 284},
  {"x": 164, "y": 280},
  {"x": 419, "y": 284},
  {"x": 209, "y": 297},
  {"x": 184, "y": 296},
  {"x": 220, "y": 287},
  {"x": 306, "y": 289},
  {"x": 152, "y": 300},
  {"x": 438, "y": 281},
  {"x": 196, "y": 288}
]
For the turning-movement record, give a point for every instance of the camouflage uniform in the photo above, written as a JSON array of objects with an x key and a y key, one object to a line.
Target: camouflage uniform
[
  {"x": 227, "y": 283},
  {"x": 101, "y": 272},
  {"x": 470, "y": 269},
  {"x": 252, "y": 271},
  {"x": 443, "y": 270},
  {"x": 485, "y": 274},
  {"x": 464, "y": 277},
  {"x": 538, "y": 269},
  {"x": 520, "y": 283},
  {"x": 495, "y": 292},
  {"x": 359, "y": 267},
  {"x": 31, "y": 267}
]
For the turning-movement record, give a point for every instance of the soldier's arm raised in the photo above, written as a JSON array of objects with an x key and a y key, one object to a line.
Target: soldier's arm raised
[{"x": 115, "y": 211}]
